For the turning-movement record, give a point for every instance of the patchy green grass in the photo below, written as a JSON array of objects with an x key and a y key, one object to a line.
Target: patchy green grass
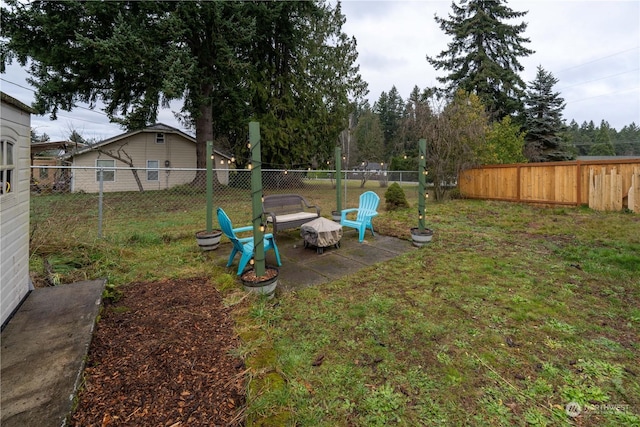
[{"x": 508, "y": 315}]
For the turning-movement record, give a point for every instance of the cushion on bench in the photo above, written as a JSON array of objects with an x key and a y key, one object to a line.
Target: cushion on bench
[{"x": 294, "y": 217}]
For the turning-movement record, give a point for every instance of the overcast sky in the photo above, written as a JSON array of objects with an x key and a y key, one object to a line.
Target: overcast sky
[{"x": 591, "y": 47}]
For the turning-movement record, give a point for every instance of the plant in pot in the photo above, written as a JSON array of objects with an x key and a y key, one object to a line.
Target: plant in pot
[
  {"x": 264, "y": 284},
  {"x": 209, "y": 239},
  {"x": 421, "y": 235}
]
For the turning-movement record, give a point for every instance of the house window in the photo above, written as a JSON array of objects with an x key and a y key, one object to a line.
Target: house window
[
  {"x": 6, "y": 167},
  {"x": 152, "y": 170},
  {"x": 159, "y": 138},
  {"x": 108, "y": 170}
]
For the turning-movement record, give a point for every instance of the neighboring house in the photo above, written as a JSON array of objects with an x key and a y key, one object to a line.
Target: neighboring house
[
  {"x": 15, "y": 140},
  {"x": 374, "y": 167},
  {"x": 48, "y": 171},
  {"x": 163, "y": 156}
]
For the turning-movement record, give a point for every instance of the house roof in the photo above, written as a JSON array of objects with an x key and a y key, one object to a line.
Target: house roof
[
  {"x": 154, "y": 128},
  {"x": 372, "y": 166},
  {"x": 11, "y": 100},
  {"x": 606, "y": 157},
  {"x": 39, "y": 147}
]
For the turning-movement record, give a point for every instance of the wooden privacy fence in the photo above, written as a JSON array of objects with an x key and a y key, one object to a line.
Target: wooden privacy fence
[{"x": 553, "y": 183}]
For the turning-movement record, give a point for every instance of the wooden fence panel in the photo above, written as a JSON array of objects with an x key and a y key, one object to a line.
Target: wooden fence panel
[
  {"x": 561, "y": 183},
  {"x": 605, "y": 190},
  {"x": 634, "y": 191}
]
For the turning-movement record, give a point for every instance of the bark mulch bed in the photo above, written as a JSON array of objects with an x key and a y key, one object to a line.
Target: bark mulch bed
[{"x": 160, "y": 357}]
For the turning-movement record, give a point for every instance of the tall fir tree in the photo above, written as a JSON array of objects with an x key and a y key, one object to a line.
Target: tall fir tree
[
  {"x": 543, "y": 120},
  {"x": 286, "y": 63},
  {"x": 483, "y": 56},
  {"x": 389, "y": 108}
]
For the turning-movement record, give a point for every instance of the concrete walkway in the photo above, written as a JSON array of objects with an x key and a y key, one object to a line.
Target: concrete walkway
[
  {"x": 45, "y": 345},
  {"x": 43, "y": 351}
]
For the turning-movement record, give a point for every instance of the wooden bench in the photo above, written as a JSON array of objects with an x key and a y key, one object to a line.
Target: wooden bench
[{"x": 288, "y": 211}]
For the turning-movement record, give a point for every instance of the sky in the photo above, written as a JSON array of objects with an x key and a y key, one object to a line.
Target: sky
[{"x": 591, "y": 47}]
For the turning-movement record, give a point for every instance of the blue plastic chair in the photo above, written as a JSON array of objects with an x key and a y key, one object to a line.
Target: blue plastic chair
[
  {"x": 366, "y": 211},
  {"x": 244, "y": 245}
]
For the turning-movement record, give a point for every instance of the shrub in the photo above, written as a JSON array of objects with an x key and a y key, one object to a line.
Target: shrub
[{"x": 395, "y": 197}]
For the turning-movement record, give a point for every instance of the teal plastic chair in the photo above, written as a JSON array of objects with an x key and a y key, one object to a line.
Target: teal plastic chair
[
  {"x": 366, "y": 212},
  {"x": 244, "y": 245}
]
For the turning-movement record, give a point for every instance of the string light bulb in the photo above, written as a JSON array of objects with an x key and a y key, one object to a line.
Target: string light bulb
[
  {"x": 222, "y": 161},
  {"x": 251, "y": 261},
  {"x": 249, "y": 167},
  {"x": 262, "y": 228},
  {"x": 249, "y": 145}
]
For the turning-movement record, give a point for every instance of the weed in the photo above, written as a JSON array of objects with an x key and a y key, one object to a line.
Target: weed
[{"x": 383, "y": 406}]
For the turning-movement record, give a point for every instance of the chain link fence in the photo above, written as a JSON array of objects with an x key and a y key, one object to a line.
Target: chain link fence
[{"x": 86, "y": 203}]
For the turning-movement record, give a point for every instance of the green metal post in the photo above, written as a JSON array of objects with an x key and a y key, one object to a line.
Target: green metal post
[
  {"x": 209, "y": 186},
  {"x": 256, "y": 197},
  {"x": 422, "y": 177},
  {"x": 338, "y": 179}
]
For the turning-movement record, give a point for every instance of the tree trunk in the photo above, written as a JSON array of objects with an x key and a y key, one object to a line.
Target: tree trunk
[
  {"x": 137, "y": 178},
  {"x": 204, "y": 133}
]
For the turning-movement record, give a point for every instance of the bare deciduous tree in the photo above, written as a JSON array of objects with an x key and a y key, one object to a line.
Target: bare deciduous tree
[{"x": 455, "y": 132}]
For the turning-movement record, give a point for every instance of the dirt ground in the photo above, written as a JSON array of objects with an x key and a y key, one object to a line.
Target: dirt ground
[{"x": 160, "y": 356}]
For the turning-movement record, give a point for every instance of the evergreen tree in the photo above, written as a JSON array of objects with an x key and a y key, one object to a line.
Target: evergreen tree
[
  {"x": 304, "y": 80},
  {"x": 483, "y": 56},
  {"x": 629, "y": 139},
  {"x": 369, "y": 138},
  {"x": 389, "y": 108},
  {"x": 602, "y": 145},
  {"x": 543, "y": 120},
  {"x": 287, "y": 64},
  {"x": 416, "y": 112},
  {"x": 35, "y": 137}
]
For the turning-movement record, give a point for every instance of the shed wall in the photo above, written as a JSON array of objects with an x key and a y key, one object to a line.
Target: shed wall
[{"x": 15, "y": 127}]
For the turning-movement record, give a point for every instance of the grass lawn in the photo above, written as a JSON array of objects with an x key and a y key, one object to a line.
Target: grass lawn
[{"x": 508, "y": 315}]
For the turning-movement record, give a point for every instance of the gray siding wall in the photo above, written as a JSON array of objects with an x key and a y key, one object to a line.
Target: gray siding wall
[{"x": 14, "y": 212}]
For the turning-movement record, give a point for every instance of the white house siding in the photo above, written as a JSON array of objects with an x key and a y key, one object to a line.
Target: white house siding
[
  {"x": 14, "y": 211},
  {"x": 141, "y": 147}
]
